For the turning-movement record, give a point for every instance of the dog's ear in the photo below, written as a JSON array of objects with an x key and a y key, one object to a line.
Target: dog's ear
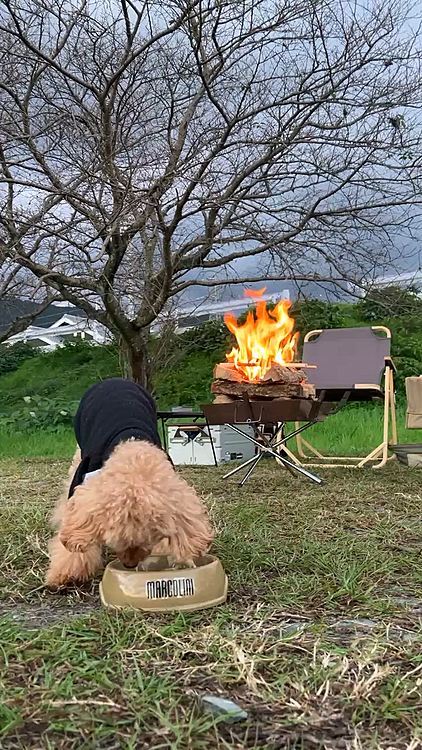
[{"x": 78, "y": 529}]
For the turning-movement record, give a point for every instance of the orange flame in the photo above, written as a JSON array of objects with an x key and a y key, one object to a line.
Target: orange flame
[{"x": 264, "y": 339}]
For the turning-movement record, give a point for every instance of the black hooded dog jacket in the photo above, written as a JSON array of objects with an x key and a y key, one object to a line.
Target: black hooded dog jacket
[{"x": 110, "y": 412}]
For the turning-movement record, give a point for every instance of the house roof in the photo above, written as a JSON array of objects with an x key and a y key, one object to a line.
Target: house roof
[
  {"x": 204, "y": 307},
  {"x": 12, "y": 308},
  {"x": 400, "y": 279}
]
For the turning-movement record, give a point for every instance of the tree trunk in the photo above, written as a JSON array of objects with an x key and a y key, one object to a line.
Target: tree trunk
[{"x": 135, "y": 363}]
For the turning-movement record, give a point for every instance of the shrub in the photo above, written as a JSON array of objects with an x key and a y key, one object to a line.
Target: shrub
[
  {"x": 212, "y": 336},
  {"x": 391, "y": 302},
  {"x": 11, "y": 357},
  {"x": 188, "y": 384},
  {"x": 183, "y": 363},
  {"x": 314, "y": 314},
  {"x": 50, "y": 415},
  {"x": 64, "y": 373}
]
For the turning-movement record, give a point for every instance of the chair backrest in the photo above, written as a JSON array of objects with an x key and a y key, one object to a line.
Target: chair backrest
[{"x": 346, "y": 357}]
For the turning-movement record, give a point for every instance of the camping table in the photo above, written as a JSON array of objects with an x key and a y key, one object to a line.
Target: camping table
[{"x": 277, "y": 413}]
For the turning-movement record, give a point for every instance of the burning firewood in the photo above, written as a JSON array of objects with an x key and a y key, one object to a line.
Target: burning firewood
[
  {"x": 227, "y": 371},
  {"x": 222, "y": 399},
  {"x": 278, "y": 382},
  {"x": 281, "y": 374},
  {"x": 261, "y": 365},
  {"x": 262, "y": 389},
  {"x": 276, "y": 374}
]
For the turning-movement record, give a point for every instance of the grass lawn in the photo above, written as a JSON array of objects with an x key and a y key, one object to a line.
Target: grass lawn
[{"x": 320, "y": 640}]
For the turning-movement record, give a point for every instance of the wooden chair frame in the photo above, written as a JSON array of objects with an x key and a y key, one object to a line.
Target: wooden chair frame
[{"x": 378, "y": 454}]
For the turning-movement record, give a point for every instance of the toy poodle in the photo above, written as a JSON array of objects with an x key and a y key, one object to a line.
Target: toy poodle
[{"x": 123, "y": 491}]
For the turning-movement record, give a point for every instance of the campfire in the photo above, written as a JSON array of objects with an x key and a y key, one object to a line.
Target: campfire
[{"x": 261, "y": 365}]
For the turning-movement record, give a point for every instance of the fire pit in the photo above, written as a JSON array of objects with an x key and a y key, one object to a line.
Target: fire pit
[{"x": 262, "y": 386}]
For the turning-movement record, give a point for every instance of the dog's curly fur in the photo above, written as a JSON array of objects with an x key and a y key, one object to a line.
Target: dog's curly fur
[{"x": 135, "y": 505}]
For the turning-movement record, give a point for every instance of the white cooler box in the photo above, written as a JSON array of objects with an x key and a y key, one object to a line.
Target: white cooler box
[{"x": 191, "y": 445}]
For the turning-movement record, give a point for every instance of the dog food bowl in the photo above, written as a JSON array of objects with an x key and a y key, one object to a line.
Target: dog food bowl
[{"x": 160, "y": 588}]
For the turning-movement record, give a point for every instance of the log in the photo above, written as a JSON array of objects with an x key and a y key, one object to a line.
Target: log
[
  {"x": 279, "y": 374},
  {"x": 279, "y": 382},
  {"x": 308, "y": 390},
  {"x": 227, "y": 371},
  {"x": 262, "y": 389},
  {"x": 222, "y": 399},
  {"x": 276, "y": 374},
  {"x": 300, "y": 365}
]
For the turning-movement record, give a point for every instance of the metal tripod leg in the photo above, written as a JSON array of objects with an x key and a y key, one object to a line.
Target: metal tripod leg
[
  {"x": 284, "y": 461},
  {"x": 251, "y": 468},
  {"x": 239, "y": 468},
  {"x": 253, "y": 460}
]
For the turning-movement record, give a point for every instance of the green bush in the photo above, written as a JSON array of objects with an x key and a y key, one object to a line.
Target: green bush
[
  {"x": 188, "y": 384},
  {"x": 49, "y": 415},
  {"x": 406, "y": 328},
  {"x": 391, "y": 302},
  {"x": 64, "y": 373},
  {"x": 213, "y": 337},
  {"x": 407, "y": 355},
  {"x": 11, "y": 357},
  {"x": 314, "y": 314},
  {"x": 401, "y": 311}
]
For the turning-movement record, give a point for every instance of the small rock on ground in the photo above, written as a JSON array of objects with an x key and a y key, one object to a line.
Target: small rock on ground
[
  {"x": 292, "y": 629},
  {"x": 224, "y": 709}
]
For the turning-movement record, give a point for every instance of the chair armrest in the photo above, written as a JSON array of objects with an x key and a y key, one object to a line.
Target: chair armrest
[{"x": 389, "y": 363}]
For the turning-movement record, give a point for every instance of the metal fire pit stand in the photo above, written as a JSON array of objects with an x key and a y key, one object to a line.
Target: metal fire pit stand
[
  {"x": 269, "y": 447},
  {"x": 277, "y": 413}
]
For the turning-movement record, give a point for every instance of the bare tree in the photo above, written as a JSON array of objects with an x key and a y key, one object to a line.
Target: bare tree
[{"x": 147, "y": 147}]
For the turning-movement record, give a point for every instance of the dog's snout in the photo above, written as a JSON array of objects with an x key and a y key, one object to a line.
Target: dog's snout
[{"x": 132, "y": 556}]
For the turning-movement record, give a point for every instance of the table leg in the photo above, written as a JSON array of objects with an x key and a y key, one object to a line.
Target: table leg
[
  {"x": 212, "y": 442},
  {"x": 239, "y": 468},
  {"x": 163, "y": 428}
]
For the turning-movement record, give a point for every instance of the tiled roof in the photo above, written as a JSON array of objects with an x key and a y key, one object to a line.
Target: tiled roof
[{"x": 11, "y": 309}]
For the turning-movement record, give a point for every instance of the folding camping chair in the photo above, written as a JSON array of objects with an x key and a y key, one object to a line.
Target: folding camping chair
[{"x": 353, "y": 364}]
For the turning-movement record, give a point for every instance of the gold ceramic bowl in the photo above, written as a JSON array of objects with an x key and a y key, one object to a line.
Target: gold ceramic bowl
[{"x": 160, "y": 588}]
